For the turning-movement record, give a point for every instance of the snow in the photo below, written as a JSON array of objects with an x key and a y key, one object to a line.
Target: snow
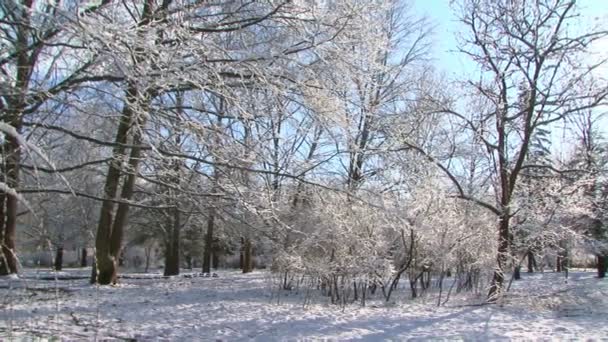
[{"x": 234, "y": 306}]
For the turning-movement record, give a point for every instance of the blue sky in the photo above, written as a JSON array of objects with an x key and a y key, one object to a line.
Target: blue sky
[
  {"x": 453, "y": 64},
  {"x": 442, "y": 16}
]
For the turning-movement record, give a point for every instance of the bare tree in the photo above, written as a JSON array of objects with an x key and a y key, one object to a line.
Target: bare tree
[{"x": 532, "y": 68}]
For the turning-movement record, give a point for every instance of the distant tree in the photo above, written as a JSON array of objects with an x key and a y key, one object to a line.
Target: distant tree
[{"x": 590, "y": 159}]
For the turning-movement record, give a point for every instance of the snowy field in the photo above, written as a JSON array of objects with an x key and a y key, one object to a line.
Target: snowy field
[{"x": 234, "y": 306}]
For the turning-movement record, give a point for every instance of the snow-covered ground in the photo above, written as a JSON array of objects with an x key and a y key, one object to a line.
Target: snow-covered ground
[{"x": 234, "y": 306}]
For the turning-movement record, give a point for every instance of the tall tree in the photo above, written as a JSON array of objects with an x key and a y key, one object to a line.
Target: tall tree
[
  {"x": 590, "y": 159},
  {"x": 31, "y": 32},
  {"x": 528, "y": 42},
  {"x": 532, "y": 69}
]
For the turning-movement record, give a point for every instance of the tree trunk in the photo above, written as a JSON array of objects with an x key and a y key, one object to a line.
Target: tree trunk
[
  {"x": 602, "y": 265},
  {"x": 121, "y": 258},
  {"x": 83, "y": 257},
  {"x": 247, "y": 258},
  {"x": 9, "y": 205},
  {"x": 501, "y": 259},
  {"x": 110, "y": 228},
  {"x": 189, "y": 261},
  {"x": 242, "y": 254},
  {"x": 104, "y": 271},
  {"x": 209, "y": 242},
  {"x": 517, "y": 273},
  {"x": 172, "y": 256},
  {"x": 215, "y": 260},
  {"x": 59, "y": 258},
  {"x": 12, "y": 111},
  {"x": 148, "y": 253},
  {"x": 531, "y": 262}
]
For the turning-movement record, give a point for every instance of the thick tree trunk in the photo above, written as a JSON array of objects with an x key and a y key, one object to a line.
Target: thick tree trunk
[
  {"x": 501, "y": 259},
  {"x": 120, "y": 219},
  {"x": 104, "y": 271},
  {"x": 83, "y": 257},
  {"x": 59, "y": 259},
  {"x": 8, "y": 227},
  {"x": 110, "y": 228},
  {"x": 602, "y": 265},
  {"x": 209, "y": 243},
  {"x": 172, "y": 259},
  {"x": 3, "y": 261},
  {"x": 12, "y": 111}
]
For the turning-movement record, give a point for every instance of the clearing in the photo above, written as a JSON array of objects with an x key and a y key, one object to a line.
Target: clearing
[{"x": 237, "y": 306}]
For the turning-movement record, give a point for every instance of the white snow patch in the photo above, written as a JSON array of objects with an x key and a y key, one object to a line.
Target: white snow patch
[{"x": 234, "y": 306}]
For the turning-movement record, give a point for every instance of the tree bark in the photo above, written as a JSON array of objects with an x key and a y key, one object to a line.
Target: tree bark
[
  {"x": 602, "y": 265},
  {"x": 531, "y": 262},
  {"x": 110, "y": 228},
  {"x": 517, "y": 273},
  {"x": 8, "y": 259},
  {"x": 148, "y": 253},
  {"x": 83, "y": 257},
  {"x": 242, "y": 254},
  {"x": 59, "y": 258},
  {"x": 209, "y": 243},
  {"x": 11, "y": 152},
  {"x": 501, "y": 259},
  {"x": 247, "y": 257},
  {"x": 172, "y": 257},
  {"x": 215, "y": 260}
]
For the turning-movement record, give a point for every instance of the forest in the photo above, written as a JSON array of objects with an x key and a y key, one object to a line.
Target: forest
[{"x": 312, "y": 149}]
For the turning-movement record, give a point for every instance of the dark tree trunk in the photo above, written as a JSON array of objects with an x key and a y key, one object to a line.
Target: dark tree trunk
[
  {"x": 168, "y": 269},
  {"x": 104, "y": 271},
  {"x": 148, "y": 252},
  {"x": 83, "y": 258},
  {"x": 242, "y": 257},
  {"x": 215, "y": 260},
  {"x": 242, "y": 254},
  {"x": 188, "y": 260},
  {"x": 12, "y": 105},
  {"x": 120, "y": 219},
  {"x": 413, "y": 288},
  {"x": 59, "y": 258},
  {"x": 602, "y": 265},
  {"x": 110, "y": 228},
  {"x": 247, "y": 257},
  {"x": 208, "y": 242},
  {"x": 558, "y": 264},
  {"x": 531, "y": 262},
  {"x": 94, "y": 269},
  {"x": 8, "y": 227},
  {"x": 501, "y": 259},
  {"x": 517, "y": 273},
  {"x": 172, "y": 256}
]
